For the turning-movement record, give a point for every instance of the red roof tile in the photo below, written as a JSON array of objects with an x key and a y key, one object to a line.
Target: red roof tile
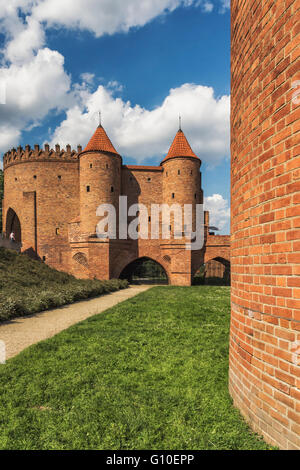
[
  {"x": 180, "y": 147},
  {"x": 101, "y": 142}
]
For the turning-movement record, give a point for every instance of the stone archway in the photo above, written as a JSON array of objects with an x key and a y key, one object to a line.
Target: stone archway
[
  {"x": 217, "y": 268},
  {"x": 145, "y": 270},
  {"x": 13, "y": 224},
  {"x": 215, "y": 271}
]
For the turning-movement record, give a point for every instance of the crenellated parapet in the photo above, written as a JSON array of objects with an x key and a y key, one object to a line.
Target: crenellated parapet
[{"x": 28, "y": 154}]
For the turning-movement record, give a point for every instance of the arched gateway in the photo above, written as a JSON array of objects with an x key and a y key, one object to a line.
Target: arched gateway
[
  {"x": 218, "y": 268},
  {"x": 144, "y": 270}
]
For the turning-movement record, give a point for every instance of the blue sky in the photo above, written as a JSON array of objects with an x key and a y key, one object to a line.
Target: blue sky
[{"x": 142, "y": 64}]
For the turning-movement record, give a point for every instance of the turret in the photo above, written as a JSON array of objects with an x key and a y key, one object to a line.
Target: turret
[
  {"x": 100, "y": 179},
  {"x": 181, "y": 175}
]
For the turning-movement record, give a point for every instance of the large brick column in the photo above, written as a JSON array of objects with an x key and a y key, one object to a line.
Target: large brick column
[{"x": 265, "y": 249}]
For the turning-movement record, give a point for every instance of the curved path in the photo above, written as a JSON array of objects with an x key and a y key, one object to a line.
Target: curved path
[{"x": 21, "y": 332}]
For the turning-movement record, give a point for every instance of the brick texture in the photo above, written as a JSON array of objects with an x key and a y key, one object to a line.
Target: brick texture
[{"x": 265, "y": 225}]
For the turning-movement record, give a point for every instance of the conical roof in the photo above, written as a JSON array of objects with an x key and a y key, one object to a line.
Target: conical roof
[
  {"x": 180, "y": 147},
  {"x": 100, "y": 142}
]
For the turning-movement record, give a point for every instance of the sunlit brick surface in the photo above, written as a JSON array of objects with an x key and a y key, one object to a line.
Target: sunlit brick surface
[{"x": 265, "y": 255}]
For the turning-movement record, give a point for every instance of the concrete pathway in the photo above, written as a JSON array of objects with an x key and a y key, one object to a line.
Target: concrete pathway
[{"x": 21, "y": 332}]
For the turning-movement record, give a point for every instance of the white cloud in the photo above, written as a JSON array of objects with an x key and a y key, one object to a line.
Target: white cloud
[
  {"x": 115, "y": 86},
  {"x": 104, "y": 16},
  {"x": 9, "y": 136},
  {"x": 219, "y": 211},
  {"x": 32, "y": 90},
  {"x": 141, "y": 133},
  {"x": 26, "y": 42},
  {"x": 225, "y": 5},
  {"x": 88, "y": 78},
  {"x": 208, "y": 7},
  {"x": 25, "y": 34},
  {"x": 37, "y": 82},
  {"x": 98, "y": 16}
]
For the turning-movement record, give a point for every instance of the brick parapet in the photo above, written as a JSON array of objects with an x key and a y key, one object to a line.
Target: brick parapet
[{"x": 28, "y": 154}]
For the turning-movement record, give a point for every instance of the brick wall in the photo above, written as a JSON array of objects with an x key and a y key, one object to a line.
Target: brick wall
[
  {"x": 217, "y": 246},
  {"x": 100, "y": 183},
  {"x": 42, "y": 187},
  {"x": 265, "y": 245}
]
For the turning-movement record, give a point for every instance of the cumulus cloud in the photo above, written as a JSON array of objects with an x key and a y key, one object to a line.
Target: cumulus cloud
[
  {"x": 142, "y": 133},
  {"x": 32, "y": 89},
  {"x": 98, "y": 16},
  {"x": 105, "y": 16},
  {"x": 26, "y": 42},
  {"x": 219, "y": 211},
  {"x": 37, "y": 83},
  {"x": 13, "y": 26}
]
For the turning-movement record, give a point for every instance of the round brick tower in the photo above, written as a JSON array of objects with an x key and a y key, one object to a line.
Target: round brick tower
[
  {"x": 265, "y": 246},
  {"x": 100, "y": 179},
  {"x": 36, "y": 181},
  {"x": 181, "y": 175}
]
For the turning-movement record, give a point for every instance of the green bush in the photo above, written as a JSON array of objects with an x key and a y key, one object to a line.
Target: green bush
[{"x": 28, "y": 286}]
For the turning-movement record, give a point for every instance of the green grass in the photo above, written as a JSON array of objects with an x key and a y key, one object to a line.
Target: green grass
[
  {"x": 28, "y": 286},
  {"x": 150, "y": 373}
]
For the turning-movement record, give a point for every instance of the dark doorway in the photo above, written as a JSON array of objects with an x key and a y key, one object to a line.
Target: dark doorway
[
  {"x": 144, "y": 271},
  {"x": 215, "y": 272},
  {"x": 13, "y": 225}
]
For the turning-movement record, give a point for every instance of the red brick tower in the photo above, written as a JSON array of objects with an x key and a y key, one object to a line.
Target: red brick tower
[
  {"x": 100, "y": 179},
  {"x": 265, "y": 256},
  {"x": 182, "y": 185},
  {"x": 182, "y": 177},
  {"x": 41, "y": 188}
]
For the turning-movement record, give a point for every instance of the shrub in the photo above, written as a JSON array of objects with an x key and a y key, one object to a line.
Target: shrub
[{"x": 29, "y": 286}]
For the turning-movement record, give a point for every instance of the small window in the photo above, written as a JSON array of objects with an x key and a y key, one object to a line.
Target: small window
[
  {"x": 44, "y": 258},
  {"x": 88, "y": 189},
  {"x": 173, "y": 195},
  {"x": 149, "y": 219},
  {"x": 170, "y": 227},
  {"x": 195, "y": 196},
  {"x": 59, "y": 177},
  {"x": 112, "y": 189},
  {"x": 16, "y": 179},
  {"x": 106, "y": 166},
  {"x": 191, "y": 172},
  {"x": 34, "y": 177},
  {"x": 91, "y": 165},
  {"x": 149, "y": 179},
  {"x": 179, "y": 172}
]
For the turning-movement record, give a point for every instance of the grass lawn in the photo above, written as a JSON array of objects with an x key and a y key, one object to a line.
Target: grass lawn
[{"x": 150, "y": 373}]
